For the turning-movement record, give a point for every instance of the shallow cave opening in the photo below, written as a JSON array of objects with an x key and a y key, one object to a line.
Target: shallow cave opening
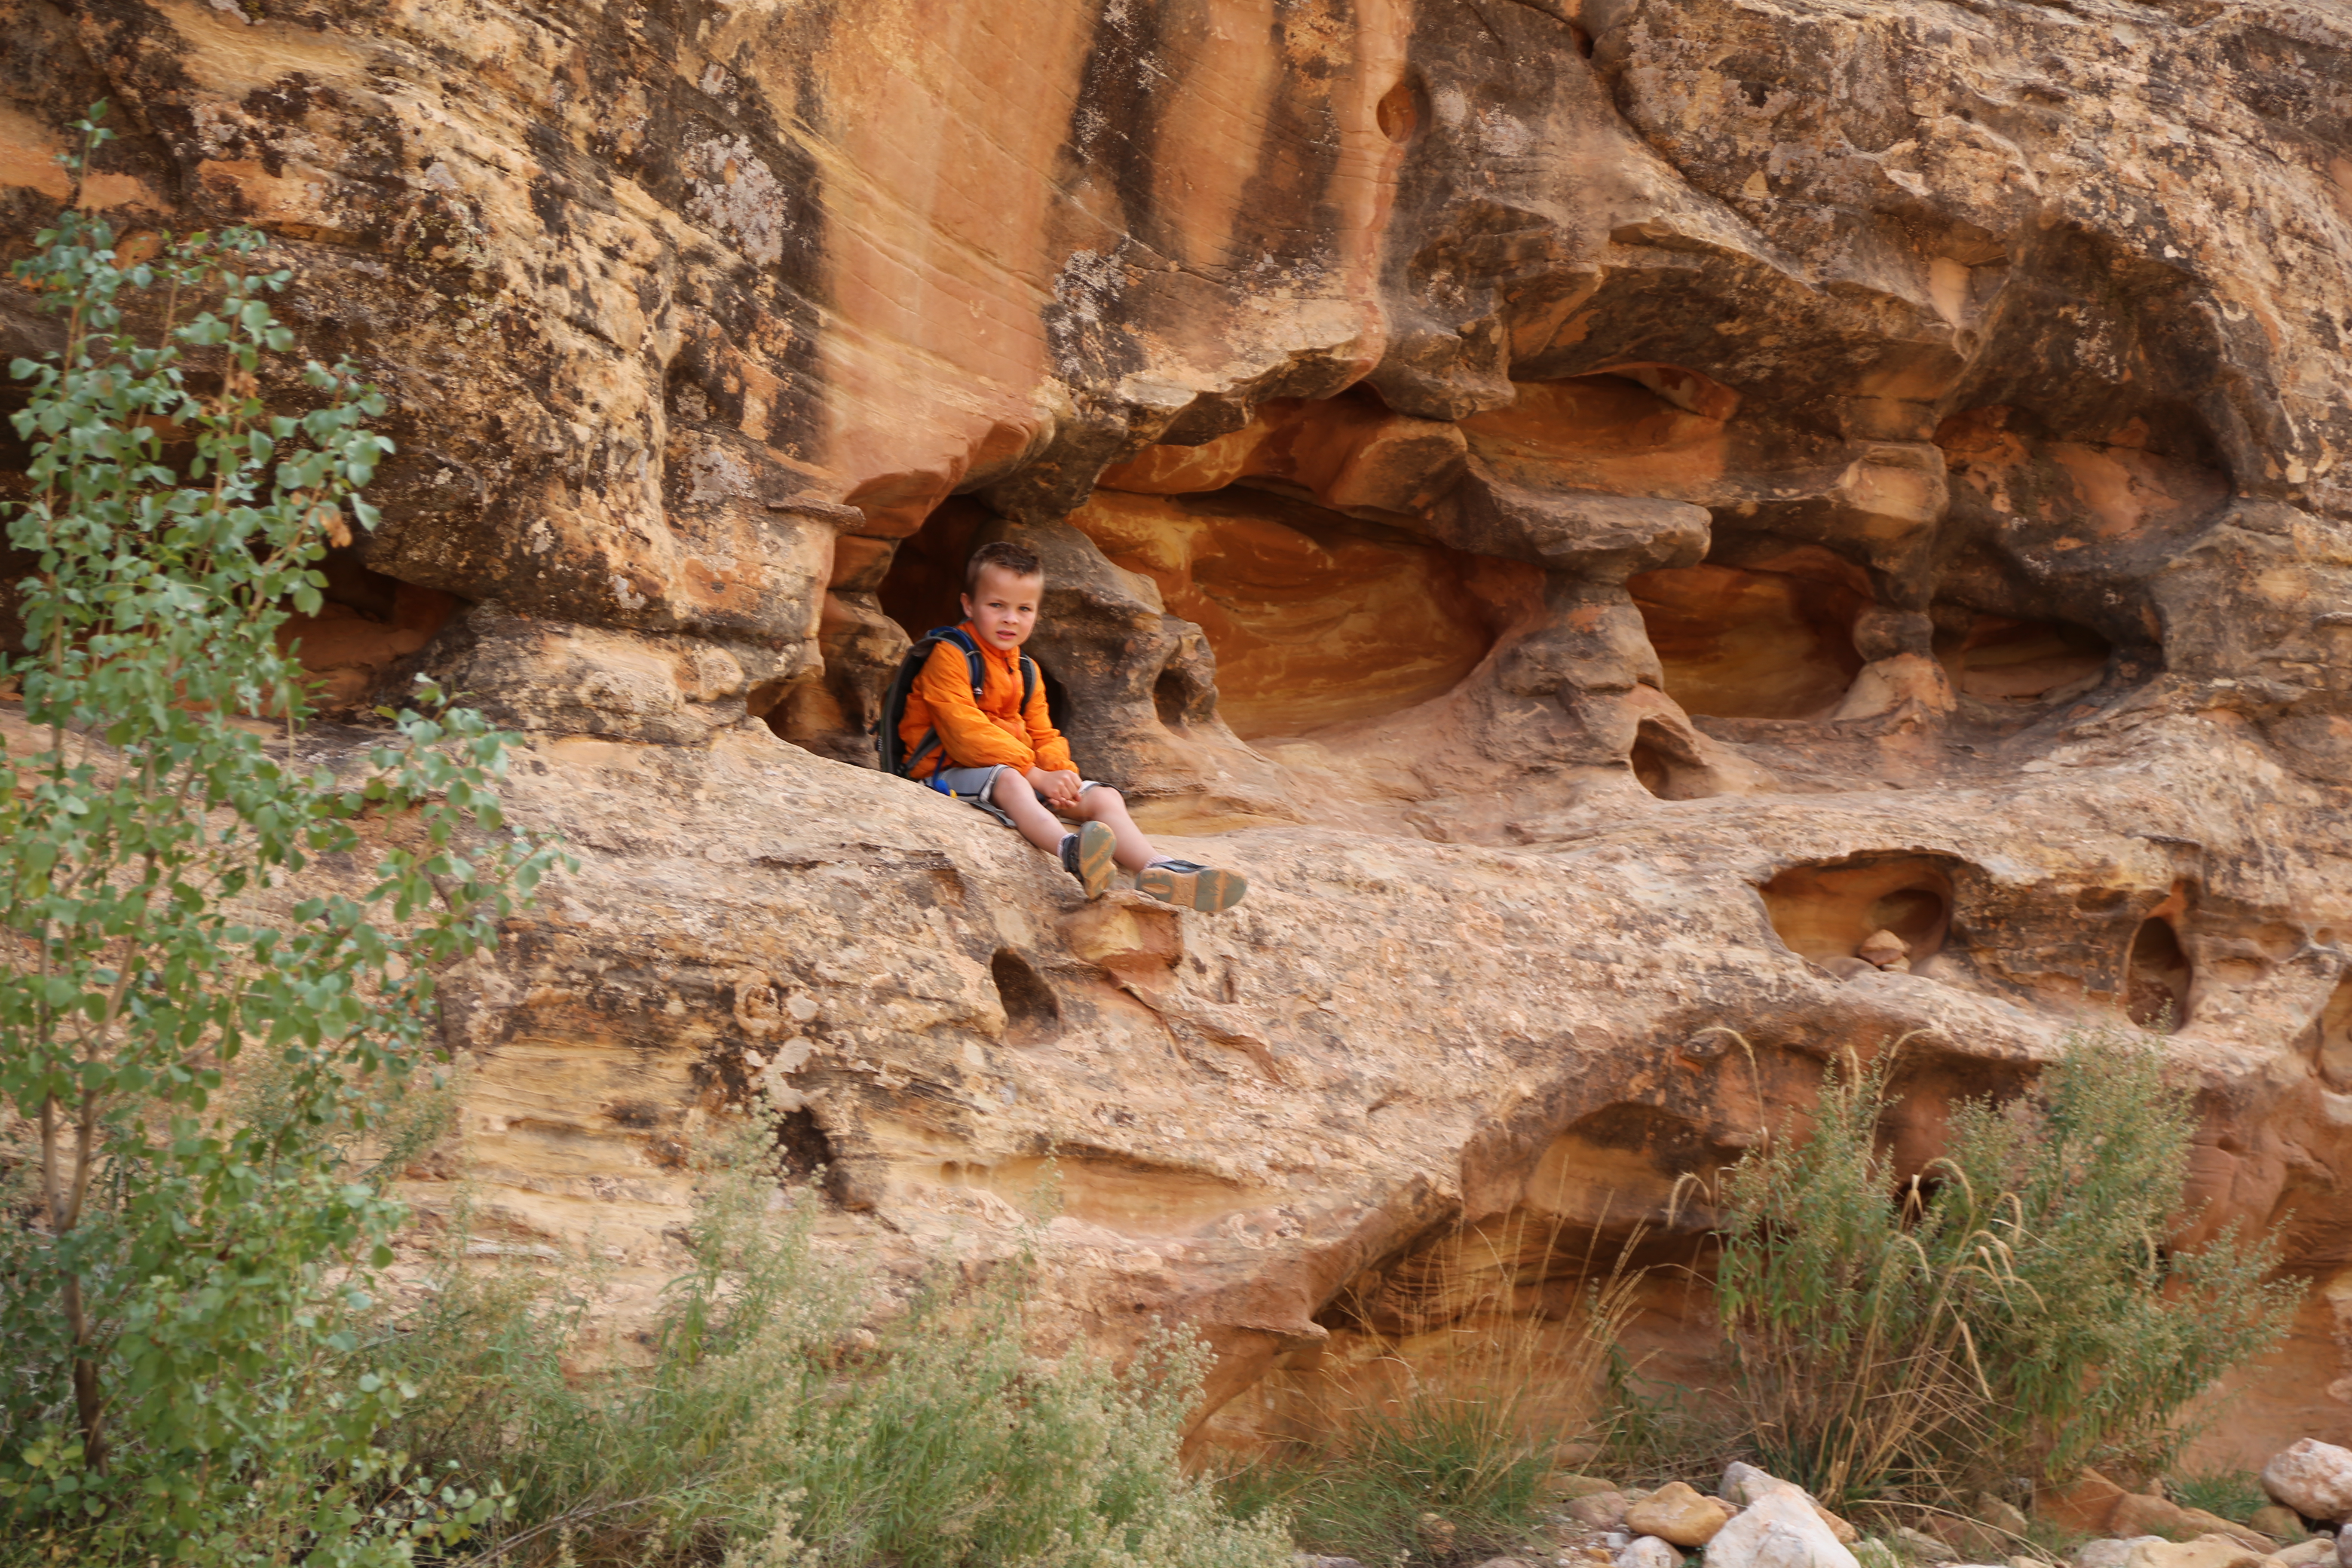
[
  {"x": 1770, "y": 641},
  {"x": 1316, "y": 618},
  {"x": 2156, "y": 978},
  {"x": 2008, "y": 662},
  {"x": 1664, "y": 764},
  {"x": 368, "y": 622},
  {"x": 1828, "y": 910},
  {"x": 802, "y": 1147},
  {"x": 2332, "y": 1027},
  {"x": 923, "y": 588},
  {"x": 1170, "y": 698},
  {"x": 1033, "y": 1015}
]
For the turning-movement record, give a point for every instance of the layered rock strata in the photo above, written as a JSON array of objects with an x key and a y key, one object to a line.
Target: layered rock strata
[{"x": 1601, "y": 510}]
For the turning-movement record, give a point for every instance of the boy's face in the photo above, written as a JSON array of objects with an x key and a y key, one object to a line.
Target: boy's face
[{"x": 1004, "y": 607}]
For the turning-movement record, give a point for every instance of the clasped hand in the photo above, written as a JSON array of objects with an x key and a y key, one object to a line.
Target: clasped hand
[{"x": 1059, "y": 790}]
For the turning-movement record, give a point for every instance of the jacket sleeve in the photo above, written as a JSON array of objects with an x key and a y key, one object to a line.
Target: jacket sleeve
[
  {"x": 969, "y": 737},
  {"x": 1053, "y": 751}
]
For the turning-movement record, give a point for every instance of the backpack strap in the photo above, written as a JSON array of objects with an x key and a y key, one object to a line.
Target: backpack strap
[
  {"x": 1028, "y": 683},
  {"x": 917, "y": 657}
]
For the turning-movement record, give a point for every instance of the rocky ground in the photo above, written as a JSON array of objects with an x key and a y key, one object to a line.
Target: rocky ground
[{"x": 1753, "y": 1519}]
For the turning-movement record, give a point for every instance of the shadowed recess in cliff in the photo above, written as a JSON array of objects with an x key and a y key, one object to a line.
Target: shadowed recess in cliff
[
  {"x": 1667, "y": 764},
  {"x": 2006, "y": 662},
  {"x": 1828, "y": 912},
  {"x": 1033, "y": 1015},
  {"x": 1315, "y": 618},
  {"x": 1745, "y": 643},
  {"x": 2331, "y": 1032},
  {"x": 2156, "y": 978}
]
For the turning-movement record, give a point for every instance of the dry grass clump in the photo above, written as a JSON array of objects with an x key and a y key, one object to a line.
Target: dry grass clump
[{"x": 1435, "y": 1443}]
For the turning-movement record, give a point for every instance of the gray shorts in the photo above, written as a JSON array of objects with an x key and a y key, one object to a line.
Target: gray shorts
[{"x": 971, "y": 786}]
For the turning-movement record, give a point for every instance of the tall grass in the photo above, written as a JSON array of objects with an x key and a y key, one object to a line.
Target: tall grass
[
  {"x": 1435, "y": 1443},
  {"x": 773, "y": 1431},
  {"x": 2013, "y": 1310}
]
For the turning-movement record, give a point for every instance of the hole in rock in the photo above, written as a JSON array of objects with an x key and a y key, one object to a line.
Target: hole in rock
[
  {"x": 801, "y": 1143},
  {"x": 1315, "y": 618},
  {"x": 368, "y": 621},
  {"x": 1665, "y": 765},
  {"x": 1168, "y": 698},
  {"x": 1032, "y": 1014},
  {"x": 2156, "y": 978},
  {"x": 1995, "y": 659},
  {"x": 924, "y": 586},
  {"x": 1745, "y": 643},
  {"x": 2334, "y": 1027},
  {"x": 1828, "y": 910},
  {"x": 1398, "y": 110}
]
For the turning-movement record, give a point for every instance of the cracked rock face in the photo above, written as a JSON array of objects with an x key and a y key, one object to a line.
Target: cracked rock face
[{"x": 1626, "y": 521}]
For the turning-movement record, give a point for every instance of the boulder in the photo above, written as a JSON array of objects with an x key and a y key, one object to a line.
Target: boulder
[
  {"x": 1600, "y": 1511},
  {"x": 2309, "y": 1552},
  {"x": 1921, "y": 1547},
  {"x": 2005, "y": 1517},
  {"x": 2141, "y": 1513},
  {"x": 1779, "y": 1530},
  {"x": 2086, "y": 1503},
  {"x": 1567, "y": 1488},
  {"x": 1679, "y": 1513},
  {"x": 2205, "y": 1552},
  {"x": 2312, "y": 1477},
  {"x": 1650, "y": 1552},
  {"x": 2278, "y": 1522},
  {"x": 1744, "y": 1483},
  {"x": 2110, "y": 1554}
]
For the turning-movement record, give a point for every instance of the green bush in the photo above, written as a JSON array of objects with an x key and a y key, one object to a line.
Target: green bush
[
  {"x": 200, "y": 1063},
  {"x": 773, "y": 1430},
  {"x": 2231, "y": 1494},
  {"x": 2014, "y": 1310}
]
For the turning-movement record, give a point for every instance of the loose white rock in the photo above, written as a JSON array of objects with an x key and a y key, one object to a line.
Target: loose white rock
[
  {"x": 1743, "y": 1483},
  {"x": 2312, "y": 1477},
  {"x": 1779, "y": 1530},
  {"x": 1650, "y": 1552},
  {"x": 2112, "y": 1553}
]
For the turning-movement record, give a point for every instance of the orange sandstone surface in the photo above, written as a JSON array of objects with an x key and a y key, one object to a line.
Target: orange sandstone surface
[{"x": 1601, "y": 509}]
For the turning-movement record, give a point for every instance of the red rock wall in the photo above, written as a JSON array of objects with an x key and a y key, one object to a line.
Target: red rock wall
[{"x": 1598, "y": 509}]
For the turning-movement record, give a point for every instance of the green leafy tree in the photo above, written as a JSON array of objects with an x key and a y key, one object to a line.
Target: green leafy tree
[{"x": 199, "y": 1047}]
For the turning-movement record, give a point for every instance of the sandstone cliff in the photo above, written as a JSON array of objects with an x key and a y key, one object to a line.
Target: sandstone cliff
[{"x": 1597, "y": 509}]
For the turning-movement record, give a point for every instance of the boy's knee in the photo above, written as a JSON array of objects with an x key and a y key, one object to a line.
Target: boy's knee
[
  {"x": 1011, "y": 785},
  {"x": 1103, "y": 796}
]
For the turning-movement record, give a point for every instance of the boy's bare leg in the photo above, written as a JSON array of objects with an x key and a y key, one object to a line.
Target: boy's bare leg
[
  {"x": 1105, "y": 805},
  {"x": 1013, "y": 796}
]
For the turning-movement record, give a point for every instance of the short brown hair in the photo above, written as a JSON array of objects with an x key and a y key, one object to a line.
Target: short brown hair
[{"x": 1017, "y": 559}]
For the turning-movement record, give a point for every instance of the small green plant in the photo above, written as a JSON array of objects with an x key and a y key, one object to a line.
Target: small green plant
[
  {"x": 198, "y": 1055},
  {"x": 773, "y": 1429},
  {"x": 2015, "y": 1309},
  {"x": 2231, "y": 1494}
]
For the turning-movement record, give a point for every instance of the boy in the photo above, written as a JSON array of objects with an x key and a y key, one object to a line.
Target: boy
[{"x": 1013, "y": 764}]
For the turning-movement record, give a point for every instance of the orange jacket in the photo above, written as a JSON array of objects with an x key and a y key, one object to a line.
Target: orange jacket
[{"x": 994, "y": 730}]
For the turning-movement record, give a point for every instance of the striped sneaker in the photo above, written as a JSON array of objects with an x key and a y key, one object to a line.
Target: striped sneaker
[
  {"x": 1087, "y": 854},
  {"x": 1189, "y": 886}
]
